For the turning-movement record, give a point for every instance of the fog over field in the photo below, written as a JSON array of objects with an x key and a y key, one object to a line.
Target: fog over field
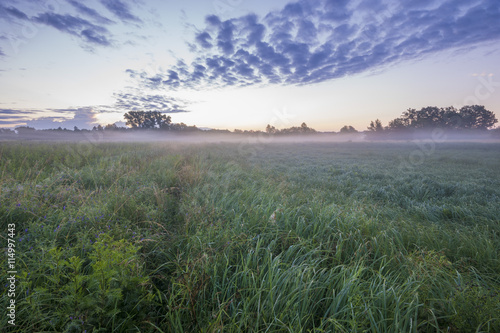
[
  {"x": 250, "y": 166},
  {"x": 282, "y": 235}
]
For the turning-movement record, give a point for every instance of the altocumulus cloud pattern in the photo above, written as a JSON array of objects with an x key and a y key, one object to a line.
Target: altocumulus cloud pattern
[
  {"x": 91, "y": 28},
  {"x": 312, "y": 41}
]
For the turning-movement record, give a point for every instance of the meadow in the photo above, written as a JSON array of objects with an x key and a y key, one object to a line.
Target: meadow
[{"x": 263, "y": 237}]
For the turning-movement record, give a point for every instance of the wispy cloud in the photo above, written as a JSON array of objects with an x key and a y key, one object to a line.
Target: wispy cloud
[
  {"x": 89, "y": 12},
  {"x": 15, "y": 117},
  {"x": 121, "y": 10},
  {"x": 92, "y": 31},
  {"x": 17, "y": 112},
  {"x": 76, "y": 26},
  {"x": 13, "y": 12},
  {"x": 318, "y": 40}
]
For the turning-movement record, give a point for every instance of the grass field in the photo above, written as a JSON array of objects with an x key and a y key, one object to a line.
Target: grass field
[{"x": 298, "y": 237}]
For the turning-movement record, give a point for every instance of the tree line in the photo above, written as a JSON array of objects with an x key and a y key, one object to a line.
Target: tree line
[{"x": 467, "y": 118}]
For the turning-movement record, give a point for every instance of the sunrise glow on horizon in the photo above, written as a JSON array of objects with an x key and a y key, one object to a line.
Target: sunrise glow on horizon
[{"x": 240, "y": 64}]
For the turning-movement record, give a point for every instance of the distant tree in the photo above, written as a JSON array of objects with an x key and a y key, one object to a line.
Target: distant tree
[
  {"x": 306, "y": 129},
  {"x": 376, "y": 126},
  {"x": 25, "y": 130},
  {"x": 147, "y": 119},
  {"x": 451, "y": 118},
  {"x": 303, "y": 129},
  {"x": 270, "y": 129},
  {"x": 476, "y": 117},
  {"x": 428, "y": 117},
  {"x": 468, "y": 117},
  {"x": 181, "y": 127},
  {"x": 348, "y": 129},
  {"x": 398, "y": 124},
  {"x": 76, "y": 129},
  {"x": 237, "y": 131},
  {"x": 6, "y": 131}
]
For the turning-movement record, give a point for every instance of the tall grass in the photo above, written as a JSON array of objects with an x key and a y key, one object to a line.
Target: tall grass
[{"x": 300, "y": 238}]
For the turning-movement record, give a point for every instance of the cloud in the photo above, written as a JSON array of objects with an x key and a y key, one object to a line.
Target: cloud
[
  {"x": 142, "y": 102},
  {"x": 15, "y": 117},
  {"x": 16, "y": 112},
  {"x": 204, "y": 40},
  {"x": 9, "y": 122},
  {"x": 14, "y": 12},
  {"x": 76, "y": 26},
  {"x": 311, "y": 41},
  {"x": 89, "y": 12},
  {"x": 86, "y": 117},
  {"x": 83, "y": 118},
  {"x": 91, "y": 33},
  {"x": 120, "y": 9}
]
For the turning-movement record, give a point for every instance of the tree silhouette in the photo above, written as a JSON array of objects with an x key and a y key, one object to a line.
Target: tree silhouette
[
  {"x": 476, "y": 117},
  {"x": 147, "y": 119},
  {"x": 270, "y": 129},
  {"x": 348, "y": 129},
  {"x": 468, "y": 117},
  {"x": 376, "y": 126}
]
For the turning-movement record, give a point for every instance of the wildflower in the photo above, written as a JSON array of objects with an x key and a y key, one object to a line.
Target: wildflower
[
  {"x": 64, "y": 207},
  {"x": 26, "y": 230},
  {"x": 18, "y": 205}
]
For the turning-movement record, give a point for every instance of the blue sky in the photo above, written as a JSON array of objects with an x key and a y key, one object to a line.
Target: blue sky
[{"x": 244, "y": 64}]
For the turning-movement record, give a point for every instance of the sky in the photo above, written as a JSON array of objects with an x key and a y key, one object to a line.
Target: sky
[{"x": 243, "y": 64}]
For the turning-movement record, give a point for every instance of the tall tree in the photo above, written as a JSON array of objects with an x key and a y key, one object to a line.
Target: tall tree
[
  {"x": 376, "y": 126},
  {"x": 468, "y": 117},
  {"x": 147, "y": 119},
  {"x": 306, "y": 129},
  {"x": 476, "y": 117},
  {"x": 270, "y": 129}
]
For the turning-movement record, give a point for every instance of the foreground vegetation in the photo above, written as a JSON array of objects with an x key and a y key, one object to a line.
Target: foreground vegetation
[{"x": 346, "y": 237}]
